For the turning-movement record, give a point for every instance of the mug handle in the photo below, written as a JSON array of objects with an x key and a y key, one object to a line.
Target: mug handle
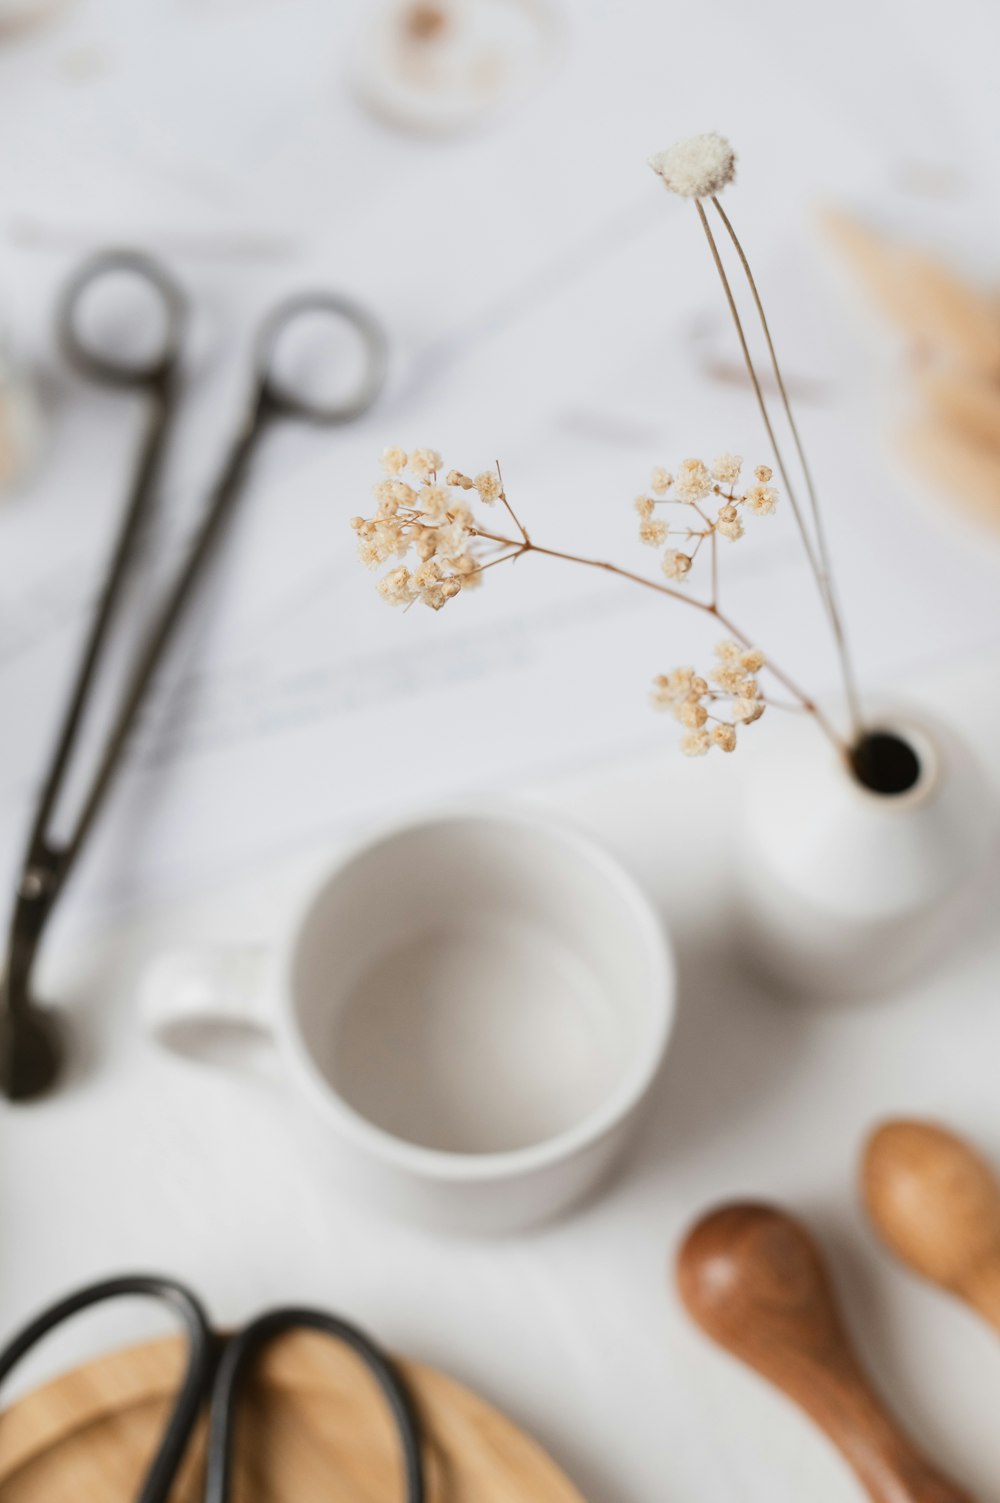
[{"x": 212, "y": 1003}]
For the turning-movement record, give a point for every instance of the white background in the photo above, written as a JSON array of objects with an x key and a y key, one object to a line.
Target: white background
[{"x": 549, "y": 305}]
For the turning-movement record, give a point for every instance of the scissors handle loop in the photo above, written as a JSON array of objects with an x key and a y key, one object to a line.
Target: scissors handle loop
[
  {"x": 282, "y": 397},
  {"x": 111, "y": 369},
  {"x": 235, "y": 1362},
  {"x": 219, "y": 1369},
  {"x": 201, "y": 1357}
]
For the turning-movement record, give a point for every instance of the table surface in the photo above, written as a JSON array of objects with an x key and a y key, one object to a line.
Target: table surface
[{"x": 145, "y": 1162}]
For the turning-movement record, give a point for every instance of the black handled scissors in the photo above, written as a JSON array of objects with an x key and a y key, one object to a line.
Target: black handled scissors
[
  {"x": 215, "y": 1369},
  {"x": 31, "y": 1049}
]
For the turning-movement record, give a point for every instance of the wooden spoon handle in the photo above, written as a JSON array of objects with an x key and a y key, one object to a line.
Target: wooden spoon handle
[{"x": 754, "y": 1280}]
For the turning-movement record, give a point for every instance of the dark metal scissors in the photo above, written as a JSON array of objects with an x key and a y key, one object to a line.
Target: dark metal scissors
[
  {"x": 31, "y": 1046},
  {"x": 215, "y": 1371}
]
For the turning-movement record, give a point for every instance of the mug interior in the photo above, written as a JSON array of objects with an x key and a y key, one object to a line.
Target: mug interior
[{"x": 477, "y": 984}]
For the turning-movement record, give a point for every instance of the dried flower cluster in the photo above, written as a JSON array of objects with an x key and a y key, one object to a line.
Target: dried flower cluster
[
  {"x": 430, "y": 520},
  {"x": 705, "y": 489},
  {"x": 698, "y": 703},
  {"x": 433, "y": 520},
  {"x": 430, "y": 524}
]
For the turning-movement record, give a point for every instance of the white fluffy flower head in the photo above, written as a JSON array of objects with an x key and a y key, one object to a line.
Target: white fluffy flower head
[{"x": 697, "y": 167}]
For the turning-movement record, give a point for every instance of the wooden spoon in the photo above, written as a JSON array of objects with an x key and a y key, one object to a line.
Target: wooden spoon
[
  {"x": 936, "y": 1204},
  {"x": 754, "y": 1280}
]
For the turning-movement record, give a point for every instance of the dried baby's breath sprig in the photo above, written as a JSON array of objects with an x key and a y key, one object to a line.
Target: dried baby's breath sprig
[
  {"x": 726, "y": 469},
  {"x": 424, "y": 463},
  {"x": 699, "y": 169},
  {"x": 488, "y": 486},
  {"x": 430, "y": 522},
  {"x": 677, "y": 564},
  {"x": 448, "y": 549},
  {"x": 653, "y": 533},
  {"x": 694, "y": 481},
  {"x": 711, "y": 708},
  {"x": 393, "y": 460},
  {"x": 705, "y": 489}
]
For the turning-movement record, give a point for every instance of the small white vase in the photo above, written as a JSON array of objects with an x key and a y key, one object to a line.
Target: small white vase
[{"x": 845, "y": 891}]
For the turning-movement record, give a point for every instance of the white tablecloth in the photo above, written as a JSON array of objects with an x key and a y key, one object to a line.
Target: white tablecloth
[
  {"x": 143, "y": 1161},
  {"x": 121, "y": 118}
]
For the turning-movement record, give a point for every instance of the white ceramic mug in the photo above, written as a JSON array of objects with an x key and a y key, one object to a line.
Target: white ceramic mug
[{"x": 476, "y": 1003}]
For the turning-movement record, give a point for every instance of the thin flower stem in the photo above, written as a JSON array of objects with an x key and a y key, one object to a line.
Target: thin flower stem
[
  {"x": 715, "y": 568},
  {"x": 720, "y": 697},
  {"x": 595, "y": 563},
  {"x": 755, "y": 383},
  {"x": 762, "y": 405},
  {"x": 836, "y": 619},
  {"x": 708, "y": 607},
  {"x": 510, "y": 510},
  {"x": 787, "y": 708},
  {"x": 805, "y": 700},
  {"x": 516, "y": 550}
]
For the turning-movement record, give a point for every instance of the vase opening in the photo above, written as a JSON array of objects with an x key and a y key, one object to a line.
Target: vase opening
[{"x": 884, "y": 763}]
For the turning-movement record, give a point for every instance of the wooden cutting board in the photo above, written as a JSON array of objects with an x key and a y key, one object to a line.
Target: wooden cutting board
[{"x": 313, "y": 1427}]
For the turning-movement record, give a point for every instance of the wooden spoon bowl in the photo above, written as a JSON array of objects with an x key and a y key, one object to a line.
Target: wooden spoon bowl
[
  {"x": 936, "y": 1204},
  {"x": 754, "y": 1279}
]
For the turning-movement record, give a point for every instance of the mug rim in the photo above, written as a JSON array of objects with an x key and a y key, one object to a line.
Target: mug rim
[{"x": 447, "y": 1165}]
